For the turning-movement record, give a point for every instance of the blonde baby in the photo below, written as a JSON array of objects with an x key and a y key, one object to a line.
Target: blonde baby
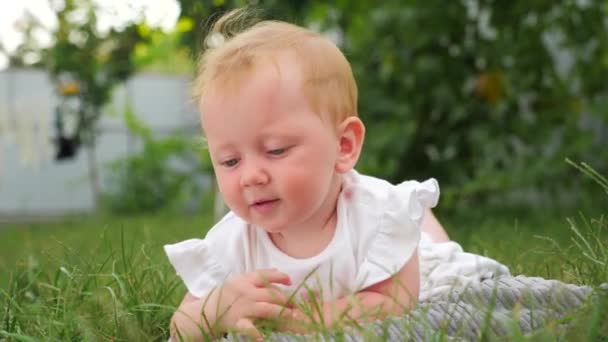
[{"x": 278, "y": 108}]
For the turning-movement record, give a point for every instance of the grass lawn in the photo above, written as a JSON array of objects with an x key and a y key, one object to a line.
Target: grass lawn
[{"x": 106, "y": 278}]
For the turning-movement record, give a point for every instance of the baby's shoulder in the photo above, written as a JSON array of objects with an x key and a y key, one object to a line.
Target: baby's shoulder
[
  {"x": 373, "y": 190},
  {"x": 379, "y": 205},
  {"x": 367, "y": 188}
]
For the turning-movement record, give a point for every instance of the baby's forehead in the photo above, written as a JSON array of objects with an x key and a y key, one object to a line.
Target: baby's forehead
[
  {"x": 276, "y": 77},
  {"x": 268, "y": 79},
  {"x": 276, "y": 69}
]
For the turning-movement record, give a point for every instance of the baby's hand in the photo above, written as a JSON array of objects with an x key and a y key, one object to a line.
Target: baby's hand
[{"x": 248, "y": 297}]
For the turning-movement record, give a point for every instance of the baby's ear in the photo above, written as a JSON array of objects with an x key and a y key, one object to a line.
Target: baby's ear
[{"x": 351, "y": 133}]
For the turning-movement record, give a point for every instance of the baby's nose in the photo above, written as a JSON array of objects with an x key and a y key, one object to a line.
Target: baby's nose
[{"x": 253, "y": 175}]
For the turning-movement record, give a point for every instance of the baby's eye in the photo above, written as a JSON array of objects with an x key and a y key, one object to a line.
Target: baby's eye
[
  {"x": 230, "y": 162},
  {"x": 277, "y": 151}
]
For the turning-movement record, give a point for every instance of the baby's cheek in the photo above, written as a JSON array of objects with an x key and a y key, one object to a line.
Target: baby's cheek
[
  {"x": 305, "y": 186},
  {"x": 232, "y": 196}
]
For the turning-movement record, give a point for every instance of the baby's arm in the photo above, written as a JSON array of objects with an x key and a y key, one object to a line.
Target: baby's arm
[
  {"x": 393, "y": 296},
  {"x": 234, "y": 306},
  {"x": 431, "y": 226}
]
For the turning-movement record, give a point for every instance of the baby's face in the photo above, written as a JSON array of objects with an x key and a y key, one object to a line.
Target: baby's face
[{"x": 274, "y": 158}]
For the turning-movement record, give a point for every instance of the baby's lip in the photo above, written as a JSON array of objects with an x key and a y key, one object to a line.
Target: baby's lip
[
  {"x": 265, "y": 206},
  {"x": 264, "y": 201}
]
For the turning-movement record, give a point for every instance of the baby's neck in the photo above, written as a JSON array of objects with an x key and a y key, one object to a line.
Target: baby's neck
[
  {"x": 313, "y": 237},
  {"x": 305, "y": 243}
]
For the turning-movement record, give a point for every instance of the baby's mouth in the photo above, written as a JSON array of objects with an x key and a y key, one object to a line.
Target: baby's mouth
[
  {"x": 264, "y": 202},
  {"x": 265, "y": 205}
]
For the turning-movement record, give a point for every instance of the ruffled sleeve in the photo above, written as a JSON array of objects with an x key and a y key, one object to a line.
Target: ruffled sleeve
[
  {"x": 206, "y": 264},
  {"x": 196, "y": 265},
  {"x": 396, "y": 232}
]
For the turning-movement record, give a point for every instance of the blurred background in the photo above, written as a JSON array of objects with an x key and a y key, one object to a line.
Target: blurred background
[
  {"x": 489, "y": 97},
  {"x": 102, "y": 161}
]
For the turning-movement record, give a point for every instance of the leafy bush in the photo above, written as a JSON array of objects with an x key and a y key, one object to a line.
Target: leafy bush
[
  {"x": 487, "y": 96},
  {"x": 164, "y": 176}
]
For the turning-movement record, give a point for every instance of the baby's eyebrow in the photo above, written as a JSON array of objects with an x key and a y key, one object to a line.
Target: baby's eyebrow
[
  {"x": 221, "y": 148},
  {"x": 278, "y": 136},
  {"x": 277, "y": 142}
]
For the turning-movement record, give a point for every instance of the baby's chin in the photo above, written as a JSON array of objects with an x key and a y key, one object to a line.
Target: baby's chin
[
  {"x": 272, "y": 225},
  {"x": 272, "y": 229}
]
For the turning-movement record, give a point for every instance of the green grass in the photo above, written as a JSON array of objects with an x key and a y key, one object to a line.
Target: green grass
[
  {"x": 106, "y": 278},
  {"x": 92, "y": 238},
  {"x": 91, "y": 278}
]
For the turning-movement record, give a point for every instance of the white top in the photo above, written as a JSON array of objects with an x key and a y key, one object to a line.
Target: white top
[{"x": 377, "y": 231}]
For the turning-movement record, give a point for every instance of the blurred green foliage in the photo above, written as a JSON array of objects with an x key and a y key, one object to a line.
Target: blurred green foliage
[
  {"x": 487, "y": 96},
  {"x": 163, "y": 52},
  {"x": 165, "y": 176},
  {"x": 473, "y": 92}
]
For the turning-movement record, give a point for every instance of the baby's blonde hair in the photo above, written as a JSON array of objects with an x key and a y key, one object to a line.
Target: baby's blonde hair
[{"x": 230, "y": 56}]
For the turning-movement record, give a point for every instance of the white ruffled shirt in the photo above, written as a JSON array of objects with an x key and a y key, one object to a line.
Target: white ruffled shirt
[{"x": 377, "y": 231}]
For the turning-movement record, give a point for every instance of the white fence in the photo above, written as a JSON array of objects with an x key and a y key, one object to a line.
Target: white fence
[{"x": 32, "y": 183}]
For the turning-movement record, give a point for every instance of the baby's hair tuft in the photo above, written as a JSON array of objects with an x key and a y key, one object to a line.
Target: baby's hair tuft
[
  {"x": 239, "y": 42},
  {"x": 229, "y": 25}
]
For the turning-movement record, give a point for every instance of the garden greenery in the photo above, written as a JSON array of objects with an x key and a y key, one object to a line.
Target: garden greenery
[
  {"x": 167, "y": 174},
  {"x": 489, "y": 97}
]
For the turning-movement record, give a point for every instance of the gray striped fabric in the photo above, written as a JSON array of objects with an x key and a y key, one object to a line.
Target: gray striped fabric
[{"x": 494, "y": 309}]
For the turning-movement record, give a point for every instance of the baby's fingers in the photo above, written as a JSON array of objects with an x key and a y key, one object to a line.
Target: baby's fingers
[
  {"x": 265, "y": 277},
  {"x": 246, "y": 327},
  {"x": 269, "y": 311},
  {"x": 271, "y": 295}
]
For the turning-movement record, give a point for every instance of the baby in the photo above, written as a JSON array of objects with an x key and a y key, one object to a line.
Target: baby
[{"x": 278, "y": 108}]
